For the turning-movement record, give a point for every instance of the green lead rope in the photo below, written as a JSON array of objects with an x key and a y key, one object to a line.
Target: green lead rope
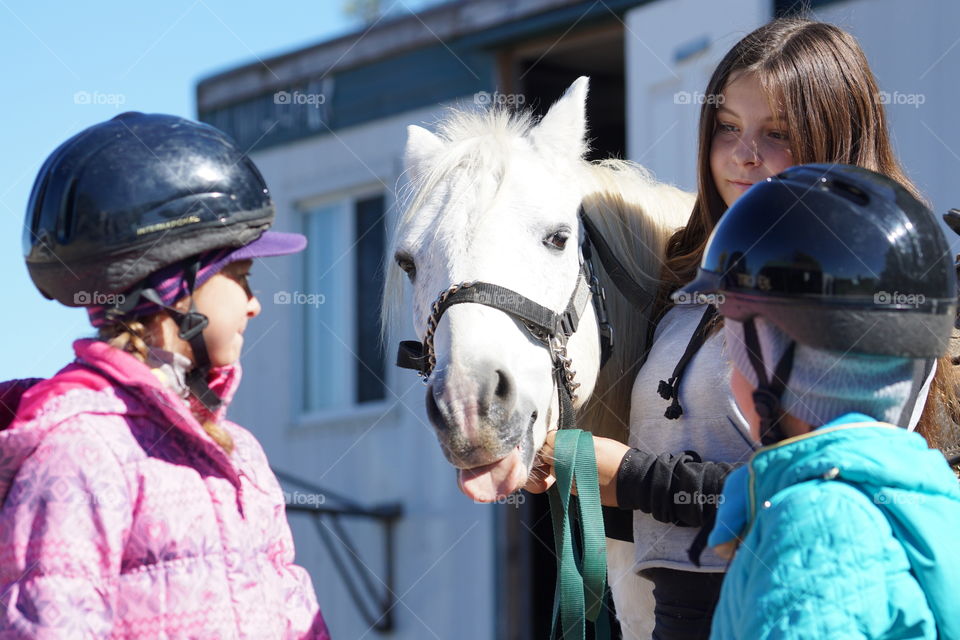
[{"x": 581, "y": 579}]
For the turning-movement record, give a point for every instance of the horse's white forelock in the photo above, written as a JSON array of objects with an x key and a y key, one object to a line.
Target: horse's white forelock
[
  {"x": 475, "y": 143},
  {"x": 634, "y": 213}
]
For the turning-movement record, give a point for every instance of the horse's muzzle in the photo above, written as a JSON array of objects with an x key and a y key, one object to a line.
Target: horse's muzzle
[{"x": 476, "y": 413}]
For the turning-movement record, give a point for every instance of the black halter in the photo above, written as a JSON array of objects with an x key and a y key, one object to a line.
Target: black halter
[{"x": 547, "y": 327}]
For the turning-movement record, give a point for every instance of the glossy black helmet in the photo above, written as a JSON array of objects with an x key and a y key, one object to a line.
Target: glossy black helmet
[
  {"x": 127, "y": 197},
  {"x": 839, "y": 258}
]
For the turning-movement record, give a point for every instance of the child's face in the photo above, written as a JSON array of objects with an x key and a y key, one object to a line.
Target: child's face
[
  {"x": 228, "y": 303},
  {"x": 749, "y": 144}
]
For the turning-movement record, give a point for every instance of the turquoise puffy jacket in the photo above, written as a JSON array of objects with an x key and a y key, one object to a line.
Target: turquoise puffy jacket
[{"x": 850, "y": 531}]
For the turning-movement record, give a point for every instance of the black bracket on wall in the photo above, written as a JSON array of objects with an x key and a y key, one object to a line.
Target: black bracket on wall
[{"x": 375, "y": 603}]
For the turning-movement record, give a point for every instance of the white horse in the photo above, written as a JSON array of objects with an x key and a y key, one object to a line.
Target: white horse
[{"x": 494, "y": 197}]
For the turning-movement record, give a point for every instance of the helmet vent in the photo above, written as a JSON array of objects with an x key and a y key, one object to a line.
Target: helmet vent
[
  {"x": 66, "y": 223},
  {"x": 37, "y": 200},
  {"x": 850, "y": 192}
]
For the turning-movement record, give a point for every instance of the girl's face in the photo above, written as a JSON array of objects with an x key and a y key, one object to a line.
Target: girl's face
[
  {"x": 228, "y": 303},
  {"x": 749, "y": 143}
]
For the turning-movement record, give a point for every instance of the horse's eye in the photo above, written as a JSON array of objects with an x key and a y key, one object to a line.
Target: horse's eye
[
  {"x": 406, "y": 263},
  {"x": 558, "y": 240}
]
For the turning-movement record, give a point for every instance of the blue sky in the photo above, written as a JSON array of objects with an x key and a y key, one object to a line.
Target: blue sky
[{"x": 124, "y": 56}]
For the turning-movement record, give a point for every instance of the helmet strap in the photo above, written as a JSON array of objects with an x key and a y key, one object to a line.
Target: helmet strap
[
  {"x": 191, "y": 325},
  {"x": 919, "y": 391},
  {"x": 768, "y": 395}
]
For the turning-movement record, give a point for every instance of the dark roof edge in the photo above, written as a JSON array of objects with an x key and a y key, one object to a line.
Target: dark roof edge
[{"x": 391, "y": 36}]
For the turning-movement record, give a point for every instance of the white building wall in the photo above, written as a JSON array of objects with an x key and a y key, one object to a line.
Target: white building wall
[
  {"x": 914, "y": 51},
  {"x": 445, "y": 543}
]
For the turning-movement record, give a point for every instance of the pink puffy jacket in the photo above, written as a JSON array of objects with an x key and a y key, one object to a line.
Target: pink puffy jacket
[{"x": 121, "y": 518}]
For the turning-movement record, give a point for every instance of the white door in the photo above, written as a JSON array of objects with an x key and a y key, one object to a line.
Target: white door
[{"x": 671, "y": 48}]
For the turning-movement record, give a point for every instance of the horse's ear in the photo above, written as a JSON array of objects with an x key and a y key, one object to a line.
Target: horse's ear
[
  {"x": 421, "y": 146},
  {"x": 564, "y": 128}
]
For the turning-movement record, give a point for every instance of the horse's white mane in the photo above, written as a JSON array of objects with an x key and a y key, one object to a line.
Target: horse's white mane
[{"x": 634, "y": 213}]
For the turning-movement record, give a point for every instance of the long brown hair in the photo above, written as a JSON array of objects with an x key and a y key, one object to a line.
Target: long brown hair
[{"x": 818, "y": 77}]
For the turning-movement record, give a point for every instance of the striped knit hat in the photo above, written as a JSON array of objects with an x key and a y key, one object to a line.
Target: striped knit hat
[{"x": 824, "y": 385}]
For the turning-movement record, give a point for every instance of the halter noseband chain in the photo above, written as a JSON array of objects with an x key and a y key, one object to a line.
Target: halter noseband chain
[{"x": 550, "y": 329}]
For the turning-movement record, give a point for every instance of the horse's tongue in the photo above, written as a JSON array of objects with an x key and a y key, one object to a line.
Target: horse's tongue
[{"x": 496, "y": 480}]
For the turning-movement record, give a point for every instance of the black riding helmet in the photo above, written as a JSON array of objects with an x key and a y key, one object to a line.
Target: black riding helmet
[
  {"x": 127, "y": 197},
  {"x": 134, "y": 194},
  {"x": 837, "y": 257},
  {"x": 840, "y": 258}
]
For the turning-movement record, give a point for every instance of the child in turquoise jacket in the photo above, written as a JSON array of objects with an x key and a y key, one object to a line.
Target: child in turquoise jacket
[{"x": 837, "y": 294}]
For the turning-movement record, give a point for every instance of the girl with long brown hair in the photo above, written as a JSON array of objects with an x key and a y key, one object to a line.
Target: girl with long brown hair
[{"x": 828, "y": 100}]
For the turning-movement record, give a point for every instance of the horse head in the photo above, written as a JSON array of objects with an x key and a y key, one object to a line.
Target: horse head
[{"x": 495, "y": 198}]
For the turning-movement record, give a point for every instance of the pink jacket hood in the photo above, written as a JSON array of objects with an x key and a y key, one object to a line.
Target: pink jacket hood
[
  {"x": 39, "y": 404},
  {"x": 120, "y": 517}
]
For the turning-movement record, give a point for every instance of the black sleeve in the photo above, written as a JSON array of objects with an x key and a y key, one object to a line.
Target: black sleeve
[{"x": 678, "y": 489}]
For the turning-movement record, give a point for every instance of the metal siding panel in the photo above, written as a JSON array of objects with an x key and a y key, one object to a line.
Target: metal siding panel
[
  {"x": 415, "y": 79},
  {"x": 558, "y": 21},
  {"x": 394, "y": 85},
  {"x": 796, "y": 7}
]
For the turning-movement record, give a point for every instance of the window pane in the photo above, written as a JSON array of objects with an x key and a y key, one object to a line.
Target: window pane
[
  {"x": 370, "y": 363},
  {"x": 327, "y": 307}
]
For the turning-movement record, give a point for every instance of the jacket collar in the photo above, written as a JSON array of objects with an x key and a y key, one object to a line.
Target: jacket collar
[
  {"x": 127, "y": 372},
  {"x": 820, "y": 453}
]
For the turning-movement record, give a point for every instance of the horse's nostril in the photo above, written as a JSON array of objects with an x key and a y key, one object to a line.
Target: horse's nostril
[
  {"x": 504, "y": 385},
  {"x": 433, "y": 411}
]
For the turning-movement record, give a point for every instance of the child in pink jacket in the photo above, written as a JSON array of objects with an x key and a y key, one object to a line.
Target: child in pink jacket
[{"x": 129, "y": 506}]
